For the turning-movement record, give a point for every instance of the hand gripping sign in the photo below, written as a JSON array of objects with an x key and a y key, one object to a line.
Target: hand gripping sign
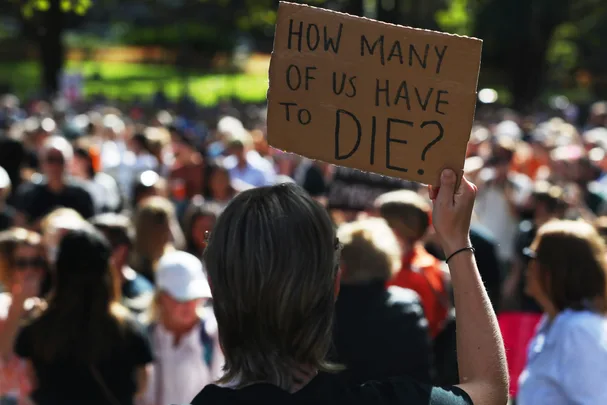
[{"x": 368, "y": 95}]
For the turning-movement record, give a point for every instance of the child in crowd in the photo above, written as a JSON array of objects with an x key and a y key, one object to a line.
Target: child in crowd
[{"x": 182, "y": 331}]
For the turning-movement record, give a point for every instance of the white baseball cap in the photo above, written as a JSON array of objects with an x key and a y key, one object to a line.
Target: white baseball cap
[
  {"x": 181, "y": 275},
  {"x": 5, "y": 180}
]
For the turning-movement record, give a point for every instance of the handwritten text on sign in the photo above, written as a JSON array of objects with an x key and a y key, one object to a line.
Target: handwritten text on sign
[{"x": 372, "y": 96}]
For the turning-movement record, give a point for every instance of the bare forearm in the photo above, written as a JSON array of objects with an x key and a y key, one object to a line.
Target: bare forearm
[
  {"x": 10, "y": 328},
  {"x": 480, "y": 350}
]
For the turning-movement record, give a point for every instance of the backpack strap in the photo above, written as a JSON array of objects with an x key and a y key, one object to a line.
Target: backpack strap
[{"x": 208, "y": 344}]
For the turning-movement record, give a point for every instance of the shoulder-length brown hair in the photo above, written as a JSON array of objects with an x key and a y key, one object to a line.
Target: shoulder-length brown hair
[
  {"x": 84, "y": 320},
  {"x": 571, "y": 259},
  {"x": 272, "y": 265},
  {"x": 9, "y": 241}
]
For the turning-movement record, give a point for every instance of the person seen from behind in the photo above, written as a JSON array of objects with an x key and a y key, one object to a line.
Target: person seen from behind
[
  {"x": 408, "y": 214},
  {"x": 183, "y": 332},
  {"x": 567, "y": 277},
  {"x": 275, "y": 304},
  {"x": 23, "y": 269},
  {"x": 84, "y": 348},
  {"x": 380, "y": 331},
  {"x": 136, "y": 291},
  {"x": 55, "y": 226}
]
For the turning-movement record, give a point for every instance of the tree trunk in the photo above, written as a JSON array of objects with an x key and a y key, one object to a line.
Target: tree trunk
[{"x": 52, "y": 52}]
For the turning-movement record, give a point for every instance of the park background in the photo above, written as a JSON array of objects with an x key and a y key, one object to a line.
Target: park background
[{"x": 214, "y": 50}]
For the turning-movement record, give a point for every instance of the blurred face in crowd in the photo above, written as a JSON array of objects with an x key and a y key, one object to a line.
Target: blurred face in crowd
[
  {"x": 181, "y": 150},
  {"x": 239, "y": 152},
  {"x": 79, "y": 167},
  {"x": 177, "y": 314},
  {"x": 200, "y": 227},
  {"x": 220, "y": 183},
  {"x": 502, "y": 166},
  {"x": 53, "y": 164},
  {"x": 29, "y": 262}
]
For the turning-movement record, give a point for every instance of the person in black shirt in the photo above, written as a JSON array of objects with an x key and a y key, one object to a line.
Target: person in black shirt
[
  {"x": 380, "y": 332},
  {"x": 273, "y": 266},
  {"x": 53, "y": 190},
  {"x": 84, "y": 348}
]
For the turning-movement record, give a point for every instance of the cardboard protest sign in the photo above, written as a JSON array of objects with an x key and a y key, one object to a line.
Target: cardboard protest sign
[{"x": 369, "y": 95}]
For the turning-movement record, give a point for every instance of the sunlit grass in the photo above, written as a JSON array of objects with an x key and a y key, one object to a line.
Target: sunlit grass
[{"x": 129, "y": 80}]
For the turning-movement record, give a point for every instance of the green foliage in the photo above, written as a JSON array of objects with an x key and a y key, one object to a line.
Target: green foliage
[
  {"x": 30, "y": 7},
  {"x": 129, "y": 80},
  {"x": 457, "y": 18},
  {"x": 562, "y": 52}
]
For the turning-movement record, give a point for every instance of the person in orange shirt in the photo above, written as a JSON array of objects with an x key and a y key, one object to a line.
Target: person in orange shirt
[{"x": 408, "y": 214}]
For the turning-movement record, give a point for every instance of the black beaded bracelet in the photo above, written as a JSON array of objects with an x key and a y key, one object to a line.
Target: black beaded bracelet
[{"x": 470, "y": 248}]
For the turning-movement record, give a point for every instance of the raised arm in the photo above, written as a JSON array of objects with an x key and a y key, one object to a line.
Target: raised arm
[{"x": 480, "y": 349}]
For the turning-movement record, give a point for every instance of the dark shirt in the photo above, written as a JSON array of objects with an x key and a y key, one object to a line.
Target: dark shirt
[
  {"x": 66, "y": 382},
  {"x": 137, "y": 293},
  {"x": 327, "y": 389},
  {"x": 7, "y": 217},
  {"x": 487, "y": 262},
  {"x": 314, "y": 181},
  {"x": 381, "y": 333},
  {"x": 525, "y": 236},
  {"x": 35, "y": 199}
]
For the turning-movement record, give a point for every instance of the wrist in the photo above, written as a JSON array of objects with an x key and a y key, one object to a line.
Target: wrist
[{"x": 451, "y": 247}]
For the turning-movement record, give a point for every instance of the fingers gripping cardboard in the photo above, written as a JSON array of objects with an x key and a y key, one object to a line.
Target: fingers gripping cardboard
[{"x": 378, "y": 97}]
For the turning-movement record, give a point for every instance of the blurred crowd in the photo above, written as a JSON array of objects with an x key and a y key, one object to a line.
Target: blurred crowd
[{"x": 105, "y": 212}]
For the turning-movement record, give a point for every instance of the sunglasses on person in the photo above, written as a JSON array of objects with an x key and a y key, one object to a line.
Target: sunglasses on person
[{"x": 22, "y": 263}]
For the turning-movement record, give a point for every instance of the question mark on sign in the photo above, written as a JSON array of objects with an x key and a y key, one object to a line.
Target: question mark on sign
[{"x": 432, "y": 142}]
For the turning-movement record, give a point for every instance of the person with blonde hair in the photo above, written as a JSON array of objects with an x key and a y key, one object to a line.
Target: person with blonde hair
[
  {"x": 156, "y": 232},
  {"x": 183, "y": 332},
  {"x": 567, "y": 277},
  {"x": 273, "y": 266},
  {"x": 55, "y": 225},
  {"x": 22, "y": 271},
  {"x": 380, "y": 331}
]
